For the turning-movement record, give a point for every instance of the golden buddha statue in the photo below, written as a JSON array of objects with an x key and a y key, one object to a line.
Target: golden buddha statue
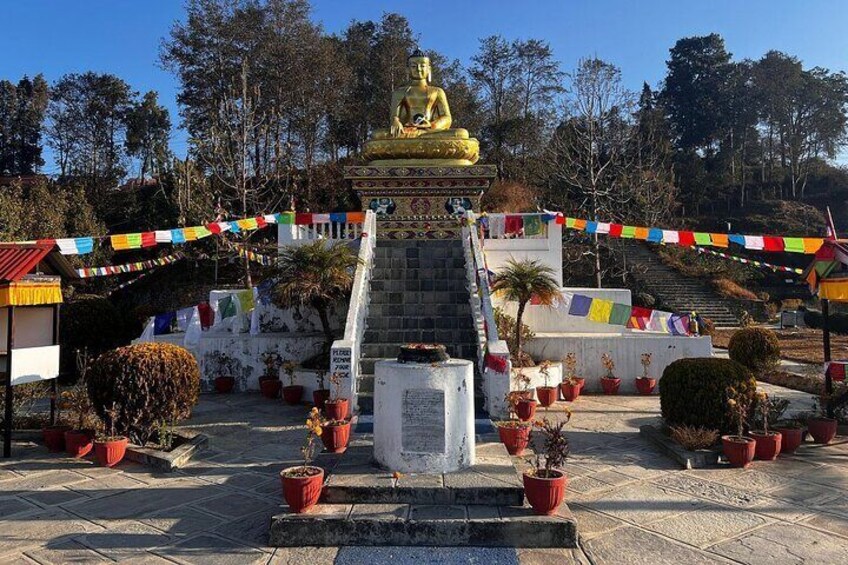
[{"x": 420, "y": 125}]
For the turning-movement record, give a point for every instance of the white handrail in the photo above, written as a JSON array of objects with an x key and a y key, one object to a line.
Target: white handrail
[{"x": 345, "y": 353}]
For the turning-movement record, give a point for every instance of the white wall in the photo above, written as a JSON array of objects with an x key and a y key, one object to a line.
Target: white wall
[
  {"x": 547, "y": 319},
  {"x": 546, "y": 250},
  {"x": 33, "y": 326}
]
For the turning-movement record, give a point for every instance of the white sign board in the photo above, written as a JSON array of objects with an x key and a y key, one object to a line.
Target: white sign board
[{"x": 32, "y": 364}]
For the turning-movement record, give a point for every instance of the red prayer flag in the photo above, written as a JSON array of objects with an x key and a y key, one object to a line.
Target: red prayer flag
[
  {"x": 207, "y": 315},
  {"x": 497, "y": 364},
  {"x": 686, "y": 238},
  {"x": 639, "y": 317},
  {"x": 214, "y": 227},
  {"x": 148, "y": 239},
  {"x": 303, "y": 219},
  {"x": 260, "y": 222},
  {"x": 615, "y": 230},
  {"x": 772, "y": 243},
  {"x": 513, "y": 224}
]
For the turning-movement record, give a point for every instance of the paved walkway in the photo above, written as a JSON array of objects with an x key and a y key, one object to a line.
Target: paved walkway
[{"x": 632, "y": 505}]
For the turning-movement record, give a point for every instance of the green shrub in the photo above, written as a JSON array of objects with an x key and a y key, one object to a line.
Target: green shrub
[
  {"x": 146, "y": 384},
  {"x": 756, "y": 348},
  {"x": 813, "y": 319},
  {"x": 694, "y": 392}
]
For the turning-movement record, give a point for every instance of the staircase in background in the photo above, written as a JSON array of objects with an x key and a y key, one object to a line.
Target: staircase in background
[
  {"x": 418, "y": 294},
  {"x": 677, "y": 292}
]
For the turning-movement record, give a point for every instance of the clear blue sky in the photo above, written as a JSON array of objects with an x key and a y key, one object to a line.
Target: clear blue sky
[{"x": 122, "y": 36}]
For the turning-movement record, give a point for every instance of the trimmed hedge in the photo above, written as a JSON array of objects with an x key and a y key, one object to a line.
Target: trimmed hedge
[
  {"x": 838, "y": 321},
  {"x": 148, "y": 384},
  {"x": 694, "y": 392},
  {"x": 756, "y": 348}
]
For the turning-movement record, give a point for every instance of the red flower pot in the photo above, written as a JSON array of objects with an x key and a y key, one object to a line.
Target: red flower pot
[
  {"x": 223, "y": 385},
  {"x": 110, "y": 452},
  {"x": 525, "y": 409},
  {"x": 569, "y": 391},
  {"x": 319, "y": 397},
  {"x": 739, "y": 450},
  {"x": 514, "y": 438},
  {"x": 270, "y": 388},
  {"x": 547, "y": 395},
  {"x": 292, "y": 394},
  {"x": 78, "y": 443},
  {"x": 335, "y": 437},
  {"x": 792, "y": 439},
  {"x": 545, "y": 494},
  {"x": 54, "y": 437},
  {"x": 823, "y": 430},
  {"x": 336, "y": 409},
  {"x": 768, "y": 445},
  {"x": 610, "y": 386},
  {"x": 646, "y": 386},
  {"x": 302, "y": 492}
]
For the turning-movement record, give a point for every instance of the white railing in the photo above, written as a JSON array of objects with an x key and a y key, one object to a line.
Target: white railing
[
  {"x": 345, "y": 353},
  {"x": 489, "y": 344},
  {"x": 499, "y": 227},
  {"x": 546, "y": 247},
  {"x": 289, "y": 234}
]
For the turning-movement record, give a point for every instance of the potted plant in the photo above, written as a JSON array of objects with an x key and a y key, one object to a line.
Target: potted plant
[
  {"x": 269, "y": 382},
  {"x": 336, "y": 407},
  {"x": 335, "y": 434},
  {"x": 79, "y": 440},
  {"x": 768, "y": 442},
  {"x": 302, "y": 484},
  {"x": 544, "y": 486},
  {"x": 525, "y": 406},
  {"x": 645, "y": 384},
  {"x": 547, "y": 395},
  {"x": 321, "y": 394},
  {"x": 292, "y": 392},
  {"x": 225, "y": 380},
  {"x": 109, "y": 449},
  {"x": 53, "y": 434},
  {"x": 571, "y": 384},
  {"x": 793, "y": 432},
  {"x": 513, "y": 433},
  {"x": 609, "y": 382},
  {"x": 820, "y": 426},
  {"x": 739, "y": 449}
]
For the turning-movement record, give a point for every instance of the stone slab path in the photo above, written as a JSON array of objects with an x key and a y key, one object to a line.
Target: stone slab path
[{"x": 632, "y": 504}]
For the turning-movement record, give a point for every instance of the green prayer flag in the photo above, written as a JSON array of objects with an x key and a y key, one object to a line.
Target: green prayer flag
[
  {"x": 569, "y": 222},
  {"x": 702, "y": 238},
  {"x": 134, "y": 239},
  {"x": 532, "y": 225},
  {"x": 793, "y": 244},
  {"x": 620, "y": 314},
  {"x": 286, "y": 218},
  {"x": 628, "y": 232},
  {"x": 227, "y": 307}
]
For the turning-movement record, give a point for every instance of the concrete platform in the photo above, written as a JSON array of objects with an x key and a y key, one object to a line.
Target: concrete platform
[
  {"x": 423, "y": 525},
  {"x": 353, "y": 478}
]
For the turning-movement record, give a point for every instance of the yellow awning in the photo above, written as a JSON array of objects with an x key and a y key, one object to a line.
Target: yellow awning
[
  {"x": 834, "y": 289},
  {"x": 31, "y": 293}
]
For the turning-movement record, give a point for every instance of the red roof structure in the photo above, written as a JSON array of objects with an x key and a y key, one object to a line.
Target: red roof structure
[{"x": 17, "y": 260}]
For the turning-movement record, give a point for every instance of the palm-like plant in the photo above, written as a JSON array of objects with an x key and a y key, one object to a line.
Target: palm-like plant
[
  {"x": 315, "y": 274},
  {"x": 519, "y": 281}
]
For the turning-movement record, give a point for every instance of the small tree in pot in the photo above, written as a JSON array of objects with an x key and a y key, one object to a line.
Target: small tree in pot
[
  {"x": 110, "y": 449},
  {"x": 645, "y": 384},
  {"x": 302, "y": 484},
  {"x": 571, "y": 384},
  {"x": 768, "y": 442},
  {"x": 291, "y": 392},
  {"x": 544, "y": 485},
  {"x": 269, "y": 382},
  {"x": 337, "y": 407},
  {"x": 821, "y": 427},
  {"x": 79, "y": 441},
  {"x": 525, "y": 406},
  {"x": 739, "y": 449},
  {"x": 609, "y": 382},
  {"x": 514, "y": 433},
  {"x": 547, "y": 394},
  {"x": 321, "y": 394}
]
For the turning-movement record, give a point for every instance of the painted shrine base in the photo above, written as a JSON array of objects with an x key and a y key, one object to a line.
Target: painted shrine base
[{"x": 481, "y": 506}]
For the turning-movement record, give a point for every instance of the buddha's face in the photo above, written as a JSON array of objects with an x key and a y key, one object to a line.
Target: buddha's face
[{"x": 419, "y": 68}]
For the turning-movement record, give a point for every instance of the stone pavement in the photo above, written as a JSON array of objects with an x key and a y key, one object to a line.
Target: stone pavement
[{"x": 632, "y": 505}]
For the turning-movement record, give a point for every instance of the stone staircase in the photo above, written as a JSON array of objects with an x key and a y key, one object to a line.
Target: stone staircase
[
  {"x": 676, "y": 291},
  {"x": 418, "y": 294}
]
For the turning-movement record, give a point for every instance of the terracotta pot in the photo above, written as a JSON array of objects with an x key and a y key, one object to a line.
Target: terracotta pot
[
  {"x": 768, "y": 445},
  {"x": 547, "y": 395},
  {"x": 110, "y": 452},
  {"x": 610, "y": 386},
  {"x": 646, "y": 386},
  {"x": 336, "y": 409},
  {"x": 739, "y": 450},
  {"x": 302, "y": 493},
  {"x": 514, "y": 438},
  {"x": 823, "y": 430},
  {"x": 581, "y": 382},
  {"x": 292, "y": 394},
  {"x": 569, "y": 391},
  {"x": 525, "y": 409},
  {"x": 54, "y": 437},
  {"x": 78, "y": 443},
  {"x": 545, "y": 494},
  {"x": 270, "y": 388},
  {"x": 336, "y": 437},
  {"x": 319, "y": 397},
  {"x": 223, "y": 385},
  {"x": 792, "y": 439}
]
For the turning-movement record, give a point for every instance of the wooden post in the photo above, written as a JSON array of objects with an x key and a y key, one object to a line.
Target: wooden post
[
  {"x": 828, "y": 380},
  {"x": 10, "y": 343}
]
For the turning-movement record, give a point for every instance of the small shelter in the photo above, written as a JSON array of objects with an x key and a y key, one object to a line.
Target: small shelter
[{"x": 30, "y": 295}]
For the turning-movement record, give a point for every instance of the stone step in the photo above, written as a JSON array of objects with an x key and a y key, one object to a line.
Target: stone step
[
  {"x": 415, "y": 273},
  {"x": 415, "y": 253},
  {"x": 421, "y": 285},
  {"x": 390, "y": 350},
  {"x": 398, "y": 264},
  {"x": 376, "y": 311},
  {"x": 440, "y": 323},
  {"x": 457, "y": 336},
  {"x": 419, "y": 297}
]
